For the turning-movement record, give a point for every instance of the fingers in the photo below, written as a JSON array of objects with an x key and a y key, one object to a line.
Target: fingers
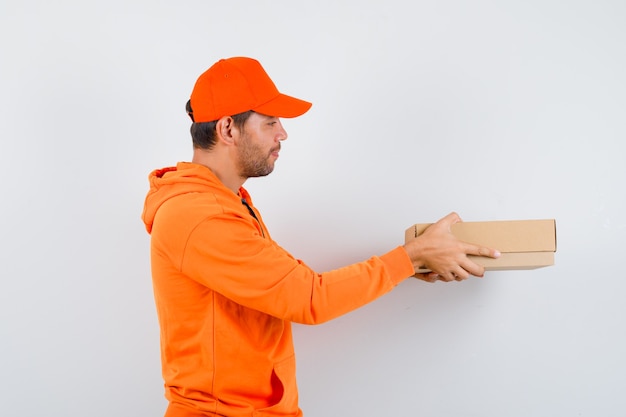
[
  {"x": 473, "y": 268},
  {"x": 482, "y": 251},
  {"x": 428, "y": 277},
  {"x": 449, "y": 220},
  {"x": 457, "y": 274},
  {"x": 434, "y": 277},
  {"x": 464, "y": 267}
]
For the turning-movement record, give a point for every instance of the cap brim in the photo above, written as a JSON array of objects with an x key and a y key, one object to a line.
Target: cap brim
[{"x": 284, "y": 106}]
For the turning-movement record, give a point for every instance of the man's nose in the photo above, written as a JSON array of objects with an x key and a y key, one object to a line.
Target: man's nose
[{"x": 282, "y": 133}]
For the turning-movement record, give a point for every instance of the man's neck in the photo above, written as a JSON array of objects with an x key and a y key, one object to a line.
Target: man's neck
[{"x": 221, "y": 166}]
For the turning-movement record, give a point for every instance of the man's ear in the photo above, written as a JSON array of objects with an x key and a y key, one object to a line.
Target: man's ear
[{"x": 226, "y": 129}]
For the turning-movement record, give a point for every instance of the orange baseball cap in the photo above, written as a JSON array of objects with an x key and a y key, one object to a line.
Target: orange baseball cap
[{"x": 236, "y": 85}]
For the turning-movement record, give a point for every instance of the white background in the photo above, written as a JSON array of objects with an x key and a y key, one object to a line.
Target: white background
[{"x": 495, "y": 109}]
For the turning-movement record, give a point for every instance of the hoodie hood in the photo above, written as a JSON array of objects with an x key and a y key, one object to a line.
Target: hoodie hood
[{"x": 184, "y": 178}]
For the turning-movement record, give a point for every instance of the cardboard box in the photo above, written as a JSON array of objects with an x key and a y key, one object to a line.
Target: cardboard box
[{"x": 524, "y": 244}]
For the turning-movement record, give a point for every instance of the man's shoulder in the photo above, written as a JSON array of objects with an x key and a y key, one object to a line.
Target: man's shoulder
[{"x": 200, "y": 204}]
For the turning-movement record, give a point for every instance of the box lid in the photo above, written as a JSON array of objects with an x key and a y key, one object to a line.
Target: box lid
[{"x": 505, "y": 235}]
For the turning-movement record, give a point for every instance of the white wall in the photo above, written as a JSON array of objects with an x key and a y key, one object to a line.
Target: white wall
[{"x": 497, "y": 110}]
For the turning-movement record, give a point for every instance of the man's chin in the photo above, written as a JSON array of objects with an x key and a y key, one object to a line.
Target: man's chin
[{"x": 263, "y": 173}]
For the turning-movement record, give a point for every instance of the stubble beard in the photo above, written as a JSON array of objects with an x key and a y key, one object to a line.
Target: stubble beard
[{"x": 253, "y": 160}]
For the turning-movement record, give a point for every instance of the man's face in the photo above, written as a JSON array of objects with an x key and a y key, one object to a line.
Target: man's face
[{"x": 259, "y": 145}]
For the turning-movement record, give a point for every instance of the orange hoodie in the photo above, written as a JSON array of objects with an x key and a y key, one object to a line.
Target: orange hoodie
[{"x": 226, "y": 293}]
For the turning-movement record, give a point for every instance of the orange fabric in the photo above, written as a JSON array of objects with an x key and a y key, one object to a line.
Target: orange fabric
[
  {"x": 236, "y": 85},
  {"x": 226, "y": 293}
]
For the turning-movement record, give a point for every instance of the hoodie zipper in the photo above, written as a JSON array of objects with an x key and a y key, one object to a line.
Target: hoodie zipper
[{"x": 245, "y": 203}]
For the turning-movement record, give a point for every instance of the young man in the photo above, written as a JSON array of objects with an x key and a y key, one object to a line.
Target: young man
[{"x": 225, "y": 292}]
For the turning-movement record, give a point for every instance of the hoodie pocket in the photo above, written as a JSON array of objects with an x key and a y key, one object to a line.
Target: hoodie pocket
[{"x": 285, "y": 389}]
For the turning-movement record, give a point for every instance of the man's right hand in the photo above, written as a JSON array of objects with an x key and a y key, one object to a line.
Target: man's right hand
[{"x": 438, "y": 250}]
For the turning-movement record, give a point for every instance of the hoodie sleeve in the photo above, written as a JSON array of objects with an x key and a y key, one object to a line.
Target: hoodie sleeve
[{"x": 228, "y": 255}]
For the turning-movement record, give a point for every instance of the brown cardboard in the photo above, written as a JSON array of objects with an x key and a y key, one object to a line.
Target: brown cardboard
[{"x": 524, "y": 244}]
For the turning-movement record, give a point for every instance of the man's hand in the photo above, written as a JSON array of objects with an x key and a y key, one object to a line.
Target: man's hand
[{"x": 440, "y": 251}]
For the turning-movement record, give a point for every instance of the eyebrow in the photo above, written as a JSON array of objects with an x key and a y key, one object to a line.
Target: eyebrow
[{"x": 268, "y": 118}]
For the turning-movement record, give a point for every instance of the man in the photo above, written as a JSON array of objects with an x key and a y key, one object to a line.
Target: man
[{"x": 225, "y": 292}]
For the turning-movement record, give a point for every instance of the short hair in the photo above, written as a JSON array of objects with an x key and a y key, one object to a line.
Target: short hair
[{"x": 203, "y": 134}]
